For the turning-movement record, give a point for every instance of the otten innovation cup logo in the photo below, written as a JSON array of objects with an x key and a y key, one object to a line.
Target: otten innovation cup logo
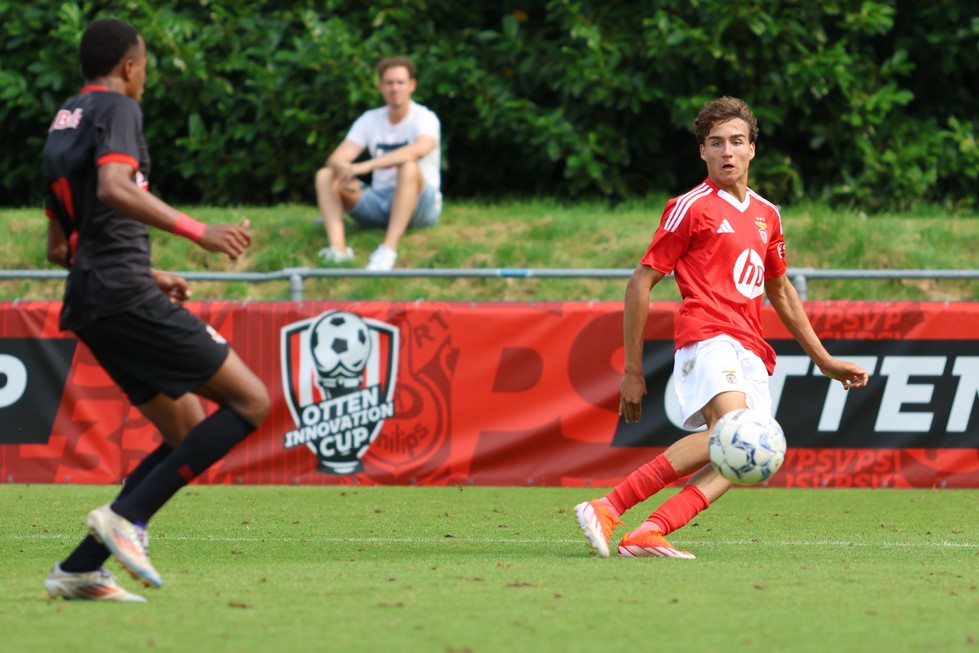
[{"x": 339, "y": 372}]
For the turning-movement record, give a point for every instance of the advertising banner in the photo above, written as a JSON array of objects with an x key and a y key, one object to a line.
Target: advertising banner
[{"x": 500, "y": 394}]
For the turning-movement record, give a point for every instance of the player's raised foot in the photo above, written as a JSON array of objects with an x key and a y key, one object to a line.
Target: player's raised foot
[
  {"x": 126, "y": 541},
  {"x": 98, "y": 585},
  {"x": 650, "y": 544},
  {"x": 597, "y": 523}
]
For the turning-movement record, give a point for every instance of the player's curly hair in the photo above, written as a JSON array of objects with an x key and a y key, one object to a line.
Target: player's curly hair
[
  {"x": 103, "y": 45},
  {"x": 394, "y": 62},
  {"x": 721, "y": 110}
]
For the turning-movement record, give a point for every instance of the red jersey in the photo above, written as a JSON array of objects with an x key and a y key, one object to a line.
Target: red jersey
[{"x": 720, "y": 251}]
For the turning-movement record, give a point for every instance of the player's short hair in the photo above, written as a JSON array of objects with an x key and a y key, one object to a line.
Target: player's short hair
[
  {"x": 104, "y": 44},
  {"x": 721, "y": 110},
  {"x": 394, "y": 62}
]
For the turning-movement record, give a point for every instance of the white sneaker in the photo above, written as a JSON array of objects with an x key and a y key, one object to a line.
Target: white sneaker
[
  {"x": 126, "y": 542},
  {"x": 382, "y": 258},
  {"x": 98, "y": 585},
  {"x": 331, "y": 255}
]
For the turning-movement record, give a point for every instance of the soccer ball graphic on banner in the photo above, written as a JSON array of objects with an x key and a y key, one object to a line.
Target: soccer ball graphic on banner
[
  {"x": 747, "y": 446},
  {"x": 340, "y": 344}
]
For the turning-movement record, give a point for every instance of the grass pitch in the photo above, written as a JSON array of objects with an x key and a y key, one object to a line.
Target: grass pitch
[{"x": 479, "y": 570}]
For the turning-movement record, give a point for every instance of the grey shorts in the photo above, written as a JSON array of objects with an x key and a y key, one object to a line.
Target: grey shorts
[{"x": 374, "y": 207}]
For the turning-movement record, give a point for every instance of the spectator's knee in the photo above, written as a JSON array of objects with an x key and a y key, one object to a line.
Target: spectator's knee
[
  {"x": 324, "y": 176},
  {"x": 409, "y": 170}
]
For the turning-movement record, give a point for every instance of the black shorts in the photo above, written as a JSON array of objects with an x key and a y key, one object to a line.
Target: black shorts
[{"x": 157, "y": 347}]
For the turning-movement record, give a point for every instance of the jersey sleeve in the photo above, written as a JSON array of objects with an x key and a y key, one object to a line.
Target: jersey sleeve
[
  {"x": 360, "y": 131},
  {"x": 118, "y": 134},
  {"x": 669, "y": 242},
  {"x": 775, "y": 265},
  {"x": 429, "y": 125}
]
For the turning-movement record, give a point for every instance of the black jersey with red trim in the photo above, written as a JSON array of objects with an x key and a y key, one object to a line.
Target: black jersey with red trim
[{"x": 109, "y": 253}]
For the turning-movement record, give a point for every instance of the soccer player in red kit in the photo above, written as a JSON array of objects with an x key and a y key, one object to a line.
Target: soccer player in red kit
[
  {"x": 725, "y": 246},
  {"x": 165, "y": 359}
]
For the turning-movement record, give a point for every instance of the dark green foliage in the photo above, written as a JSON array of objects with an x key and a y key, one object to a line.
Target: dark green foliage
[{"x": 866, "y": 103}]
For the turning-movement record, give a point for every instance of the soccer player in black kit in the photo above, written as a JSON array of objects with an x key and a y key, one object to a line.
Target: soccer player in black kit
[{"x": 96, "y": 171}]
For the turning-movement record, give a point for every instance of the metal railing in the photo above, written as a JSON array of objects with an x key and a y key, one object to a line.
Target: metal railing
[{"x": 296, "y": 277}]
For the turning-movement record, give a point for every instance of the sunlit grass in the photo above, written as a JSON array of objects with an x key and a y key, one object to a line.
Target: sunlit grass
[{"x": 534, "y": 234}]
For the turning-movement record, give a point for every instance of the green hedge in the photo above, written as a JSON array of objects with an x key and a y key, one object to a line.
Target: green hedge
[{"x": 867, "y": 103}]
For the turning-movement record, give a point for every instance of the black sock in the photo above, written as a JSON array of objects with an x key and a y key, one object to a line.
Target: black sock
[
  {"x": 90, "y": 554},
  {"x": 206, "y": 444}
]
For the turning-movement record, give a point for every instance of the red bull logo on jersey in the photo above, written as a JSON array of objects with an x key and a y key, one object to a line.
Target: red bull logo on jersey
[
  {"x": 339, "y": 372},
  {"x": 65, "y": 119}
]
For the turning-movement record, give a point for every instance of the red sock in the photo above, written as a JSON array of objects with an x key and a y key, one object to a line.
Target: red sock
[
  {"x": 676, "y": 511},
  {"x": 642, "y": 484}
]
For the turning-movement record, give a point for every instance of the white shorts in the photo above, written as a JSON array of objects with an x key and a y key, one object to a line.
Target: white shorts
[{"x": 703, "y": 370}]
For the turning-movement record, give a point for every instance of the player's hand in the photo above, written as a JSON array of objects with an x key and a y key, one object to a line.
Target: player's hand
[
  {"x": 849, "y": 374},
  {"x": 230, "y": 239},
  {"x": 632, "y": 391},
  {"x": 174, "y": 287}
]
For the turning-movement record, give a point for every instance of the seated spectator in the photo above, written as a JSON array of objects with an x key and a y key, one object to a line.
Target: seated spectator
[{"x": 402, "y": 138}]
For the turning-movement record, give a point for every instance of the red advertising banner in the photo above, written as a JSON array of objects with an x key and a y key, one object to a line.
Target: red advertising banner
[{"x": 500, "y": 394}]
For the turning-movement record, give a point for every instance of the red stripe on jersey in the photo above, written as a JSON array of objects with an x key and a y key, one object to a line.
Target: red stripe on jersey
[
  {"x": 93, "y": 87},
  {"x": 117, "y": 157},
  {"x": 72, "y": 246},
  {"x": 62, "y": 191}
]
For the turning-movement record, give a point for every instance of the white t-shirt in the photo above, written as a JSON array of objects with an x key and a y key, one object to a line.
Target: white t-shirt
[{"x": 374, "y": 131}]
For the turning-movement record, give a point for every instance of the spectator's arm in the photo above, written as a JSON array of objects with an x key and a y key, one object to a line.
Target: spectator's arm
[{"x": 410, "y": 152}]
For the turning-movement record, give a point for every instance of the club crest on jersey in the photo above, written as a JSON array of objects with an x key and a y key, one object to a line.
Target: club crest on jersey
[
  {"x": 762, "y": 229},
  {"x": 731, "y": 376},
  {"x": 339, "y": 372}
]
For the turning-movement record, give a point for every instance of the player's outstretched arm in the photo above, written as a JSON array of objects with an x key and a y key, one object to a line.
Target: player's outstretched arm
[
  {"x": 116, "y": 189},
  {"x": 786, "y": 302},
  {"x": 230, "y": 239}
]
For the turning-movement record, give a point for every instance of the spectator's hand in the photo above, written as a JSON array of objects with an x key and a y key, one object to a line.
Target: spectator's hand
[
  {"x": 230, "y": 239},
  {"x": 173, "y": 286},
  {"x": 630, "y": 402},
  {"x": 344, "y": 173}
]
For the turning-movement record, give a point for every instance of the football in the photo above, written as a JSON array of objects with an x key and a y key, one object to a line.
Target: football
[
  {"x": 747, "y": 446},
  {"x": 340, "y": 343}
]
